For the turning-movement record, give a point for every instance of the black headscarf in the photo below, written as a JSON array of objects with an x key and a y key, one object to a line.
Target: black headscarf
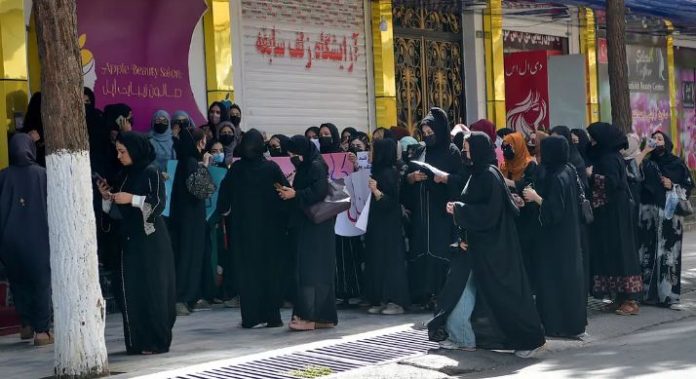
[
  {"x": 22, "y": 150},
  {"x": 112, "y": 112},
  {"x": 139, "y": 148},
  {"x": 438, "y": 122},
  {"x": 189, "y": 138},
  {"x": 301, "y": 145},
  {"x": 283, "y": 145},
  {"x": 351, "y": 131},
  {"x": 481, "y": 151},
  {"x": 92, "y": 99},
  {"x": 252, "y": 146},
  {"x": 554, "y": 153},
  {"x": 32, "y": 120},
  {"x": 583, "y": 143},
  {"x": 314, "y": 129},
  {"x": 609, "y": 138},
  {"x": 667, "y": 157},
  {"x": 224, "y": 114},
  {"x": 335, "y": 146},
  {"x": 574, "y": 155},
  {"x": 383, "y": 154},
  {"x": 501, "y": 133}
]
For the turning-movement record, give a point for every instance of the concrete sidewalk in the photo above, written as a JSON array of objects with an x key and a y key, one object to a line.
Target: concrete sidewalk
[{"x": 215, "y": 335}]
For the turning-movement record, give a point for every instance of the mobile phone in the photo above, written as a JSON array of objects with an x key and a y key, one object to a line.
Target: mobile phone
[
  {"x": 97, "y": 178},
  {"x": 652, "y": 143}
]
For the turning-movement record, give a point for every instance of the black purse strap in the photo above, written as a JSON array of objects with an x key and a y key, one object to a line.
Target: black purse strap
[{"x": 581, "y": 191}]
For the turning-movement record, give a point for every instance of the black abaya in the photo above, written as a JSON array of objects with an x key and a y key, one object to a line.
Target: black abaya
[
  {"x": 561, "y": 295},
  {"x": 257, "y": 222},
  {"x": 316, "y": 243},
  {"x": 385, "y": 260},
  {"x": 188, "y": 221},
  {"x": 147, "y": 263},
  {"x": 497, "y": 260}
]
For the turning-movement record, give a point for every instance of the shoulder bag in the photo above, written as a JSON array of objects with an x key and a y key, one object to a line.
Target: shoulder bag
[{"x": 336, "y": 201}]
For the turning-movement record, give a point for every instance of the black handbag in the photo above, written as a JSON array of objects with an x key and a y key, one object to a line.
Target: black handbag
[
  {"x": 684, "y": 208},
  {"x": 200, "y": 184},
  {"x": 586, "y": 211},
  {"x": 336, "y": 201}
]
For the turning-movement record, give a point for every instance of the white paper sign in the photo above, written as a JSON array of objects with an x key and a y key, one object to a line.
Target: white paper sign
[{"x": 347, "y": 222}]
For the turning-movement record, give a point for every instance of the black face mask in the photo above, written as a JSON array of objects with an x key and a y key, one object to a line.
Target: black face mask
[
  {"x": 659, "y": 150},
  {"x": 296, "y": 161},
  {"x": 275, "y": 151},
  {"x": 236, "y": 120},
  {"x": 430, "y": 140},
  {"x": 226, "y": 139},
  {"x": 160, "y": 128},
  {"x": 508, "y": 153},
  {"x": 325, "y": 141},
  {"x": 466, "y": 160}
]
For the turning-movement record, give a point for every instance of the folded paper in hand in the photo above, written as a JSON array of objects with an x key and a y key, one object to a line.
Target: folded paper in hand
[{"x": 429, "y": 169}]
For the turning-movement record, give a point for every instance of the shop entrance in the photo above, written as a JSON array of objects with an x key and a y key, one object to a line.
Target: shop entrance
[{"x": 428, "y": 58}]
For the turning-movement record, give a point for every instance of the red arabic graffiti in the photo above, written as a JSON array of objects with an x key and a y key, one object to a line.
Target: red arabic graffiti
[{"x": 328, "y": 47}]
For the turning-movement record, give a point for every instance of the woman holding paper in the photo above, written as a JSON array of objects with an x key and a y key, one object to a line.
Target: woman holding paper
[
  {"x": 385, "y": 259},
  {"x": 433, "y": 178}
]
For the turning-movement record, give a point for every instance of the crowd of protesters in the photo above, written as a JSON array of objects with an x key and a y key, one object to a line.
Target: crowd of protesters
[{"x": 501, "y": 235}]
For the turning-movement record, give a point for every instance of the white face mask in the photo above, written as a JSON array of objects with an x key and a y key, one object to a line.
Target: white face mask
[{"x": 498, "y": 142}]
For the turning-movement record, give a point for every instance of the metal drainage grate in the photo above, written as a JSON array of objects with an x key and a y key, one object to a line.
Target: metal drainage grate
[{"x": 328, "y": 360}]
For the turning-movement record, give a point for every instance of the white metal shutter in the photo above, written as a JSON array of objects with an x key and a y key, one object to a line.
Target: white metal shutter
[{"x": 282, "y": 91}]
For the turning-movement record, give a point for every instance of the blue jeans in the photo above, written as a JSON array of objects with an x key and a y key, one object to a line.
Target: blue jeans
[{"x": 459, "y": 321}]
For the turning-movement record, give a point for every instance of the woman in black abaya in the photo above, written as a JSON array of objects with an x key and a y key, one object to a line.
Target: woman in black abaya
[
  {"x": 257, "y": 223},
  {"x": 188, "y": 221},
  {"x": 147, "y": 263},
  {"x": 385, "y": 258},
  {"x": 561, "y": 295},
  {"x": 615, "y": 266},
  {"x": 486, "y": 214},
  {"x": 315, "y": 305},
  {"x": 426, "y": 195}
]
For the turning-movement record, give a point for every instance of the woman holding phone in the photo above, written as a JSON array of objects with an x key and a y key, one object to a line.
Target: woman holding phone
[{"x": 147, "y": 265}]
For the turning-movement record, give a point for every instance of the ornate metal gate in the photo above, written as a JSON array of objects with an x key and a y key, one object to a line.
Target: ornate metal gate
[{"x": 428, "y": 57}]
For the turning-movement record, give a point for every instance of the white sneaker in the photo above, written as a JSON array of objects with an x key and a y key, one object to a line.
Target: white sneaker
[
  {"x": 393, "y": 309},
  {"x": 420, "y": 325},
  {"x": 375, "y": 310},
  {"x": 526, "y": 354},
  {"x": 233, "y": 303}
]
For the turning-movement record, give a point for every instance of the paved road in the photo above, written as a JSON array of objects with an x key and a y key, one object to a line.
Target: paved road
[{"x": 215, "y": 335}]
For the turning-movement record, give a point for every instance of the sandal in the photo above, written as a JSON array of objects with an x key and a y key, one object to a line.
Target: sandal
[
  {"x": 324, "y": 325},
  {"x": 628, "y": 308},
  {"x": 43, "y": 339},
  {"x": 300, "y": 325}
]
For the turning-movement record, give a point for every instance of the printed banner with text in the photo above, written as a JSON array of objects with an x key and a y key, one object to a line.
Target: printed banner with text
[{"x": 527, "y": 91}]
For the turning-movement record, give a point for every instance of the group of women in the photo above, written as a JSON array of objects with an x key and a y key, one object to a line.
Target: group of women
[{"x": 502, "y": 237}]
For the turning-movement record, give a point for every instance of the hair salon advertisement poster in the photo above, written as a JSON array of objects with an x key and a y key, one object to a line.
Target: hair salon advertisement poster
[
  {"x": 527, "y": 91},
  {"x": 132, "y": 53}
]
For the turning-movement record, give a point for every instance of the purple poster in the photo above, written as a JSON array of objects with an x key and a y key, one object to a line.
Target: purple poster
[
  {"x": 687, "y": 115},
  {"x": 136, "y": 52},
  {"x": 647, "y": 76}
]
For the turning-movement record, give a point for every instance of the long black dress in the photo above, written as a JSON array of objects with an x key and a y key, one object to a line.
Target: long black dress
[
  {"x": 385, "y": 264},
  {"x": 257, "y": 220},
  {"x": 487, "y": 214},
  {"x": 188, "y": 225},
  {"x": 148, "y": 292},
  {"x": 661, "y": 239},
  {"x": 316, "y": 243},
  {"x": 24, "y": 245},
  {"x": 614, "y": 259},
  {"x": 561, "y": 294},
  {"x": 432, "y": 230}
]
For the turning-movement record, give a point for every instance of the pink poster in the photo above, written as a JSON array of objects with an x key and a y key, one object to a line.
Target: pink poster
[
  {"x": 339, "y": 165},
  {"x": 137, "y": 53},
  {"x": 687, "y": 116}
]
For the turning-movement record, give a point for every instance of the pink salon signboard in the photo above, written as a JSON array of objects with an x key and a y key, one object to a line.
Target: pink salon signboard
[{"x": 136, "y": 52}]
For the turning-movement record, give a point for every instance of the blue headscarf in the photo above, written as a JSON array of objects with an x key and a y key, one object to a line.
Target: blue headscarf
[{"x": 162, "y": 142}]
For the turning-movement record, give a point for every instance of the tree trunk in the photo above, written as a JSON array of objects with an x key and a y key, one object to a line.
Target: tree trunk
[
  {"x": 79, "y": 309},
  {"x": 618, "y": 66}
]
